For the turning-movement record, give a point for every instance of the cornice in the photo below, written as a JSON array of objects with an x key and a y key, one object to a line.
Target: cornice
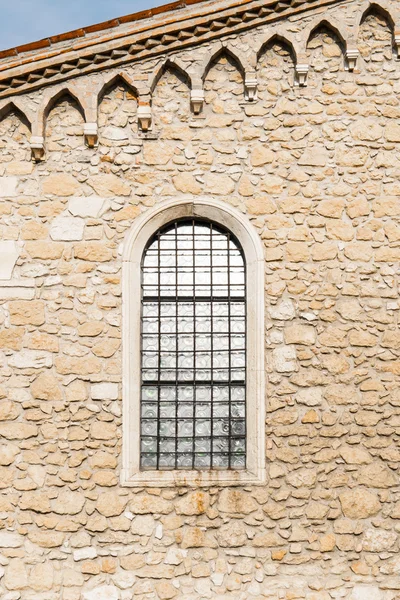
[{"x": 143, "y": 40}]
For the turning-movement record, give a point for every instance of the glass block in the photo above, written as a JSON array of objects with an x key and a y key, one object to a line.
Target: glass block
[
  {"x": 185, "y": 325},
  {"x": 186, "y": 393},
  {"x": 221, "y": 360},
  {"x": 221, "y": 410},
  {"x": 221, "y": 324},
  {"x": 167, "y": 375},
  {"x": 149, "y": 393},
  {"x": 202, "y": 445},
  {"x": 203, "y": 360},
  {"x": 167, "y": 411},
  {"x": 150, "y": 342},
  {"x": 238, "y": 461},
  {"x": 185, "y": 445},
  {"x": 149, "y": 411},
  {"x": 185, "y": 427},
  {"x": 168, "y": 309},
  {"x": 220, "y": 445},
  {"x": 185, "y": 410},
  {"x": 186, "y": 360},
  {"x": 238, "y": 445},
  {"x": 203, "y": 342},
  {"x": 149, "y": 374},
  {"x": 203, "y": 394},
  {"x": 238, "y": 427},
  {"x": 149, "y": 427},
  {"x": 238, "y": 393},
  {"x": 166, "y": 461},
  {"x": 168, "y": 325},
  {"x": 149, "y": 445},
  {"x": 203, "y": 324},
  {"x": 203, "y": 410},
  {"x": 167, "y": 428},
  {"x": 149, "y": 461},
  {"x": 150, "y": 325},
  {"x": 202, "y": 461},
  {"x": 186, "y": 343},
  {"x": 221, "y": 461},
  {"x": 238, "y": 342},
  {"x": 238, "y": 359},
  {"x": 167, "y": 394},
  {"x": 221, "y": 427},
  {"x": 202, "y": 427},
  {"x": 238, "y": 409},
  {"x": 185, "y": 461},
  {"x": 167, "y": 445},
  {"x": 150, "y": 309},
  {"x": 221, "y": 394}
]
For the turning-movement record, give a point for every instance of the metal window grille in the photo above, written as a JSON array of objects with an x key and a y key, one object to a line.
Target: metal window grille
[{"x": 193, "y": 402}]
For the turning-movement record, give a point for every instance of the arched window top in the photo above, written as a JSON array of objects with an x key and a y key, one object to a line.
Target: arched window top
[{"x": 193, "y": 336}]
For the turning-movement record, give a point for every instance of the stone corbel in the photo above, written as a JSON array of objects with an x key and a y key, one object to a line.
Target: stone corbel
[
  {"x": 301, "y": 69},
  {"x": 90, "y": 131},
  {"x": 144, "y": 116},
  {"x": 397, "y": 41},
  {"x": 197, "y": 100},
  {"x": 250, "y": 87},
  {"x": 352, "y": 54},
  {"x": 37, "y": 147}
]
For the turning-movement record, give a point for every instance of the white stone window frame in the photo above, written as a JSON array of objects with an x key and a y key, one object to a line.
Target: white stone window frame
[{"x": 135, "y": 244}]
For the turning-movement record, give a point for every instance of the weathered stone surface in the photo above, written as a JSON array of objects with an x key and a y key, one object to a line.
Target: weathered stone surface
[
  {"x": 24, "y": 312},
  {"x": 67, "y": 229},
  {"x": 236, "y": 501},
  {"x": 300, "y": 334},
  {"x": 186, "y": 183},
  {"x": 195, "y": 503},
  {"x": 377, "y": 475},
  {"x": 46, "y": 387},
  {"x": 359, "y": 504},
  {"x": 60, "y": 185},
  {"x": 8, "y": 187},
  {"x": 285, "y": 359},
  {"x": 68, "y": 503},
  {"x": 103, "y": 592},
  {"x": 109, "y": 185},
  {"x": 378, "y": 540},
  {"x": 9, "y": 253},
  {"x": 86, "y": 206},
  {"x": 110, "y": 504},
  {"x": 104, "y": 391},
  {"x": 93, "y": 251},
  {"x": 17, "y": 431},
  {"x": 142, "y": 505}
]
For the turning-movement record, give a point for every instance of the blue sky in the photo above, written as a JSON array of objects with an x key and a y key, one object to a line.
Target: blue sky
[{"x": 24, "y": 21}]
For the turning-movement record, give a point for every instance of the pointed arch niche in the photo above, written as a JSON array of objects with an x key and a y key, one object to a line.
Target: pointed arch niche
[{"x": 145, "y": 227}]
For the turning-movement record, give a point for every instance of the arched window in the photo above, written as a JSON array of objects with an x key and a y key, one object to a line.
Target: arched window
[
  {"x": 193, "y": 413},
  {"x": 193, "y": 348}
]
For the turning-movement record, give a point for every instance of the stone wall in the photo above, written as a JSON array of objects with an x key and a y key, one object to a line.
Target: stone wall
[{"x": 316, "y": 169}]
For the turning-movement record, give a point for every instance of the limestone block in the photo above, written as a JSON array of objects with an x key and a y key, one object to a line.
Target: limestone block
[
  {"x": 379, "y": 540},
  {"x": 31, "y": 359},
  {"x": 8, "y": 187},
  {"x": 104, "y": 592},
  {"x": 103, "y": 431},
  {"x": 115, "y": 133},
  {"x": 36, "y": 501},
  {"x": 142, "y": 505},
  {"x": 110, "y": 504},
  {"x": 195, "y": 503},
  {"x": 60, "y": 185},
  {"x": 45, "y": 250},
  {"x": 316, "y": 156},
  {"x": 284, "y": 311},
  {"x": 261, "y": 155},
  {"x": 232, "y": 535},
  {"x": 9, "y": 411},
  {"x": 300, "y": 334},
  {"x": 143, "y": 525},
  {"x": 67, "y": 229},
  {"x": 359, "y": 504},
  {"x": 93, "y": 251},
  {"x": 16, "y": 577},
  {"x": 7, "y": 454},
  {"x": 27, "y": 313},
  {"x": 41, "y": 578},
  {"x": 236, "y": 501},
  {"x": 186, "y": 183},
  {"x": 377, "y": 475},
  {"x": 10, "y": 540},
  {"x": 86, "y": 206},
  {"x": 285, "y": 359},
  {"x": 9, "y": 254},
  {"x": 85, "y": 553},
  {"x": 219, "y": 184},
  {"x": 17, "y": 431},
  {"x": 311, "y": 396},
  {"x": 46, "y": 387},
  {"x": 109, "y": 185},
  {"x": 104, "y": 391},
  {"x": 366, "y": 592},
  {"x": 68, "y": 503},
  {"x": 354, "y": 455}
]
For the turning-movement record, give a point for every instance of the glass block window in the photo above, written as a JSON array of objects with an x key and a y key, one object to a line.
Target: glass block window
[{"x": 193, "y": 355}]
